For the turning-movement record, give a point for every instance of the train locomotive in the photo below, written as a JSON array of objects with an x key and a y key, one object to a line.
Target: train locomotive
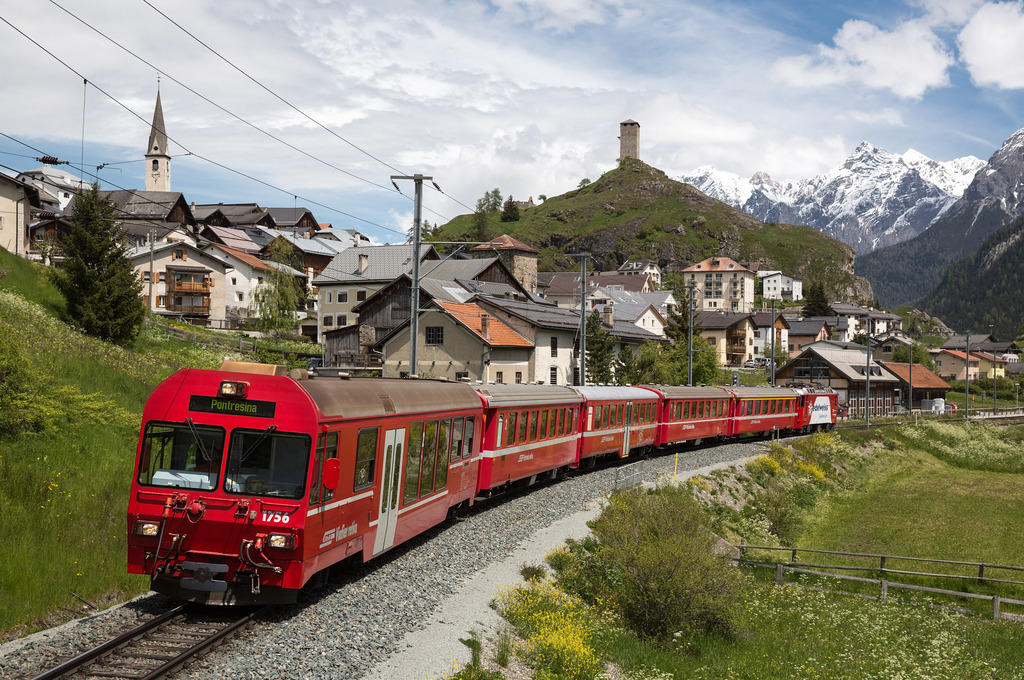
[{"x": 249, "y": 482}]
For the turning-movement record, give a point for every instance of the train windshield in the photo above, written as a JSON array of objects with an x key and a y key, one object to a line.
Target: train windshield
[
  {"x": 267, "y": 463},
  {"x": 181, "y": 455}
]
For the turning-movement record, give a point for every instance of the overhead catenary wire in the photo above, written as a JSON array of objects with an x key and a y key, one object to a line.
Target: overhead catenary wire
[
  {"x": 292, "y": 106},
  {"x": 193, "y": 153},
  {"x": 226, "y": 110}
]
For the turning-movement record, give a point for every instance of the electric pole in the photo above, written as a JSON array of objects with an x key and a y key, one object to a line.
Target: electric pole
[
  {"x": 967, "y": 377},
  {"x": 773, "y": 342},
  {"x": 689, "y": 336},
  {"x": 583, "y": 315},
  {"x": 414, "y": 305},
  {"x": 151, "y": 270}
]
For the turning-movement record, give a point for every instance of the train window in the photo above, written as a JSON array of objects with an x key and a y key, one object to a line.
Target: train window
[
  {"x": 620, "y": 414},
  {"x": 522, "y": 428},
  {"x": 444, "y": 432},
  {"x": 173, "y": 456},
  {"x": 429, "y": 457},
  {"x": 498, "y": 431},
  {"x": 412, "y": 464},
  {"x": 597, "y": 418},
  {"x": 468, "y": 437},
  {"x": 366, "y": 458},
  {"x": 510, "y": 434},
  {"x": 560, "y": 428},
  {"x": 267, "y": 463},
  {"x": 457, "y": 439},
  {"x": 533, "y": 426},
  {"x": 326, "y": 447},
  {"x": 543, "y": 425}
]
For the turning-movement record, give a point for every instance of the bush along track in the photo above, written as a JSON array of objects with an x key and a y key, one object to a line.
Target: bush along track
[{"x": 646, "y": 596}]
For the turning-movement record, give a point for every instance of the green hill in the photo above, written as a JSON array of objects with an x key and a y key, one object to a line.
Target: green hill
[{"x": 637, "y": 212}]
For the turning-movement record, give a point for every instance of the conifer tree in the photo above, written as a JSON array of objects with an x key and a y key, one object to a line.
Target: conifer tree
[
  {"x": 816, "y": 303},
  {"x": 600, "y": 350},
  {"x": 98, "y": 282},
  {"x": 510, "y": 211}
]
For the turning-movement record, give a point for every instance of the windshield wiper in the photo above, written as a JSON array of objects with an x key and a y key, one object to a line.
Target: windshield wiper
[
  {"x": 199, "y": 441},
  {"x": 252, "y": 447}
]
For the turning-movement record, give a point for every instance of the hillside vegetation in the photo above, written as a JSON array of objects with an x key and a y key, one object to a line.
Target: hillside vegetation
[
  {"x": 637, "y": 212},
  {"x": 986, "y": 287},
  {"x": 70, "y": 407}
]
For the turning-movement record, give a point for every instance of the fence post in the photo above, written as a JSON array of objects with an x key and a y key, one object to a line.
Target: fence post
[
  {"x": 794, "y": 555},
  {"x": 239, "y": 344},
  {"x": 885, "y": 590},
  {"x": 981, "y": 572},
  {"x": 778, "y": 574},
  {"x": 995, "y": 607},
  {"x": 742, "y": 548},
  {"x": 881, "y": 564}
]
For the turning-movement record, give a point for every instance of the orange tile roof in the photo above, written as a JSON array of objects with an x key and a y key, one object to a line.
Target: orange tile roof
[
  {"x": 499, "y": 333},
  {"x": 505, "y": 242},
  {"x": 923, "y": 378},
  {"x": 248, "y": 258},
  {"x": 717, "y": 264},
  {"x": 975, "y": 356}
]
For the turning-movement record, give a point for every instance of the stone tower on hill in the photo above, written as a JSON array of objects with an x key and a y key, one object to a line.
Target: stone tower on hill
[
  {"x": 158, "y": 158},
  {"x": 629, "y": 139}
]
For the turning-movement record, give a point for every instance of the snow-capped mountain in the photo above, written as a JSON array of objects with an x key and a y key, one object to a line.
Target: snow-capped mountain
[{"x": 873, "y": 199}]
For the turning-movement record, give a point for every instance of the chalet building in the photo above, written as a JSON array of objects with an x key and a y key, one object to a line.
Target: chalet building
[
  {"x": 459, "y": 341},
  {"x": 296, "y": 220},
  {"x": 803, "y": 332},
  {"x": 663, "y": 301},
  {"x": 866, "y": 319},
  {"x": 17, "y": 199},
  {"x": 45, "y": 236},
  {"x": 233, "y": 215},
  {"x": 160, "y": 215},
  {"x": 519, "y": 258},
  {"x": 185, "y": 281},
  {"x": 885, "y": 345},
  {"x": 356, "y": 273},
  {"x": 777, "y": 286},
  {"x": 642, "y": 316},
  {"x": 950, "y": 365},
  {"x": 764, "y": 338},
  {"x": 245, "y": 274},
  {"x": 1007, "y": 350},
  {"x": 844, "y": 367},
  {"x": 927, "y": 385},
  {"x": 235, "y": 238},
  {"x": 731, "y": 334},
  {"x": 722, "y": 284}
]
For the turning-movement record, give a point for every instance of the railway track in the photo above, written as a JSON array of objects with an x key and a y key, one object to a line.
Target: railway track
[{"x": 155, "y": 648}]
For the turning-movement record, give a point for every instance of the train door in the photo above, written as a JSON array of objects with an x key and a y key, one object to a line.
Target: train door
[
  {"x": 387, "y": 515},
  {"x": 626, "y": 422}
]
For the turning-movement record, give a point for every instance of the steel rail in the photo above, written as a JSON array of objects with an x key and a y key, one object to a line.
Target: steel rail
[{"x": 125, "y": 645}]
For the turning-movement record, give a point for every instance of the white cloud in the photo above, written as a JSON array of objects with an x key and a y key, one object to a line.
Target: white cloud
[
  {"x": 887, "y": 116},
  {"x": 907, "y": 61},
  {"x": 992, "y": 46},
  {"x": 945, "y": 13}
]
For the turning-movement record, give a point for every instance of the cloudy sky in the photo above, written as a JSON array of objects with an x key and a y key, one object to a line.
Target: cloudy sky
[{"x": 525, "y": 95}]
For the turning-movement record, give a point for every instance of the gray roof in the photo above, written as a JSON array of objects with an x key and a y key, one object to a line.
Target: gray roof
[
  {"x": 287, "y": 217},
  {"x": 854, "y": 310},
  {"x": 236, "y": 213},
  {"x": 850, "y": 360},
  {"x": 628, "y": 311},
  {"x": 719, "y": 320},
  {"x": 568, "y": 283},
  {"x": 561, "y": 318},
  {"x": 764, "y": 319},
  {"x": 801, "y": 327},
  {"x": 313, "y": 246},
  {"x": 978, "y": 341},
  {"x": 449, "y": 291},
  {"x": 452, "y": 269},
  {"x": 839, "y": 323},
  {"x": 147, "y": 205},
  {"x": 142, "y": 253},
  {"x": 383, "y": 263},
  {"x": 234, "y": 238}
]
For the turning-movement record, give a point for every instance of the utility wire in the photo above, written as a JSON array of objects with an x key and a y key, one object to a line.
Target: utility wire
[
  {"x": 193, "y": 153},
  {"x": 293, "y": 106}
]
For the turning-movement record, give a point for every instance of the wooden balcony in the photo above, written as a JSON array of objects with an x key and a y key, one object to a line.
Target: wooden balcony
[
  {"x": 201, "y": 309},
  {"x": 187, "y": 286}
]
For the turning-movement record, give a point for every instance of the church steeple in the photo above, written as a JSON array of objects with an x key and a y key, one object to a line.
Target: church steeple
[{"x": 158, "y": 160}]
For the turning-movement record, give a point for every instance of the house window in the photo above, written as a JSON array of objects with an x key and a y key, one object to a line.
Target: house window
[
  {"x": 241, "y": 297},
  {"x": 342, "y": 297},
  {"x": 145, "y": 276},
  {"x": 156, "y": 163},
  {"x": 553, "y": 376},
  {"x": 342, "y": 320},
  {"x": 554, "y": 346},
  {"x": 234, "y": 281},
  {"x": 328, "y": 320},
  {"x": 161, "y": 276},
  {"x": 259, "y": 279},
  {"x": 161, "y": 300},
  {"x": 360, "y": 295},
  {"x": 435, "y": 335},
  {"x": 178, "y": 254},
  {"x": 328, "y": 297},
  {"x": 519, "y": 377},
  {"x": 499, "y": 378}
]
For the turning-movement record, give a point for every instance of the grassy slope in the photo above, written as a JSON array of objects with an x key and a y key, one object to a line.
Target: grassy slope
[
  {"x": 636, "y": 211},
  {"x": 64, "y": 489}
]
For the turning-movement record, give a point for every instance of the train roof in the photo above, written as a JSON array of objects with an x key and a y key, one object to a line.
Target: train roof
[
  {"x": 595, "y": 392},
  {"x": 369, "y": 397},
  {"x": 762, "y": 392},
  {"x": 685, "y": 392},
  {"x": 526, "y": 395}
]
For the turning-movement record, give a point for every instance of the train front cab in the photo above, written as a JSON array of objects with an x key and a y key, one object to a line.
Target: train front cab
[
  {"x": 817, "y": 409},
  {"x": 247, "y": 484},
  {"x": 691, "y": 414},
  {"x": 616, "y": 421},
  {"x": 530, "y": 430}
]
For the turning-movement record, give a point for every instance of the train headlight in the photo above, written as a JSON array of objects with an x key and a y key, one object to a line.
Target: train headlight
[
  {"x": 231, "y": 388},
  {"x": 147, "y": 528},
  {"x": 283, "y": 541}
]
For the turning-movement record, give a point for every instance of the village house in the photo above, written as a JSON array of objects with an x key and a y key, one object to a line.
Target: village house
[
  {"x": 803, "y": 332},
  {"x": 563, "y": 288},
  {"x": 647, "y": 268},
  {"x": 731, "y": 334},
  {"x": 949, "y": 364},
  {"x": 156, "y": 215},
  {"x": 246, "y": 273},
  {"x": 721, "y": 284},
  {"x": 777, "y": 286},
  {"x": 181, "y": 280},
  {"x": 56, "y": 182},
  {"x": 844, "y": 367},
  {"x": 459, "y": 341},
  {"x": 519, "y": 258},
  {"x": 17, "y": 199},
  {"x": 763, "y": 336},
  {"x": 640, "y": 315}
]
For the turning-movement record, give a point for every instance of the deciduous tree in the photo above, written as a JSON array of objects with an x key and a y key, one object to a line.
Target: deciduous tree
[
  {"x": 600, "y": 350},
  {"x": 276, "y": 301}
]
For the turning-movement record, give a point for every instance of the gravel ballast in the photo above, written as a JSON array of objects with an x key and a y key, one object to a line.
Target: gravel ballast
[{"x": 363, "y": 623}]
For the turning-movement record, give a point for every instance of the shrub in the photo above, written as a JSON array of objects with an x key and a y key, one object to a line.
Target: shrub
[
  {"x": 658, "y": 570},
  {"x": 777, "y": 504},
  {"x": 532, "y": 572}
]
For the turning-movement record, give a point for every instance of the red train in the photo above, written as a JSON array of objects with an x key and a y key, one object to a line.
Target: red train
[{"x": 249, "y": 482}]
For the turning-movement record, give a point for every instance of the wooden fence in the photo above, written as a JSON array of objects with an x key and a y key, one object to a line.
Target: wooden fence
[{"x": 884, "y": 570}]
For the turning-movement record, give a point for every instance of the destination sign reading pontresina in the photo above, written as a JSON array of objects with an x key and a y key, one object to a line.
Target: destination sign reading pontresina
[{"x": 235, "y": 407}]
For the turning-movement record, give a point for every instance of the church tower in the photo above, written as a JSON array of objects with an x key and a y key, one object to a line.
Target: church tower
[
  {"x": 629, "y": 139},
  {"x": 158, "y": 160}
]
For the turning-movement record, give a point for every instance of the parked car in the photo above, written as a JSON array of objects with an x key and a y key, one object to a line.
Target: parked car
[{"x": 749, "y": 363}]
